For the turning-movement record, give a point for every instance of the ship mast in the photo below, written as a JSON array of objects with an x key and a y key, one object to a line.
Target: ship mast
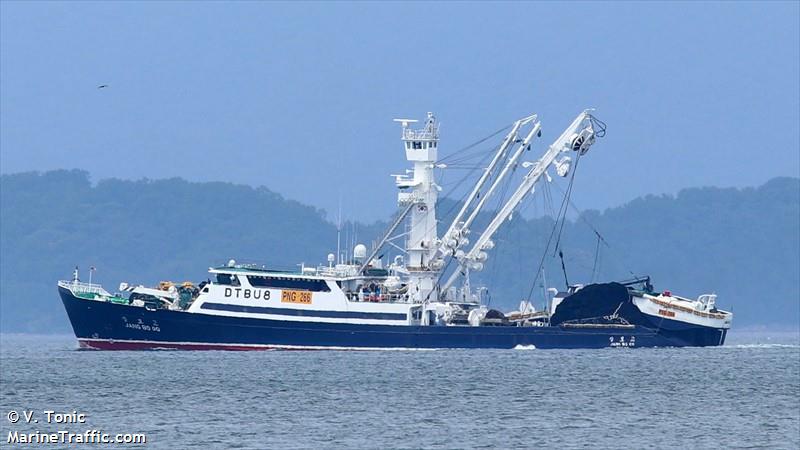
[{"x": 417, "y": 196}]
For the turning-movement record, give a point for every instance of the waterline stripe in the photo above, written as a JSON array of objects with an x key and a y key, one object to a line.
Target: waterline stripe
[
  {"x": 130, "y": 344},
  {"x": 303, "y": 312}
]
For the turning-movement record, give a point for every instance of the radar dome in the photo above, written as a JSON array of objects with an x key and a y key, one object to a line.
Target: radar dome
[{"x": 360, "y": 251}]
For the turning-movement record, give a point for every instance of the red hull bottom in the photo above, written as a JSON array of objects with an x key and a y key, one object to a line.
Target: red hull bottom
[{"x": 102, "y": 344}]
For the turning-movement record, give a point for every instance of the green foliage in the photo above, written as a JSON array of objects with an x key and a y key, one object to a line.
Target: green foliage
[{"x": 742, "y": 244}]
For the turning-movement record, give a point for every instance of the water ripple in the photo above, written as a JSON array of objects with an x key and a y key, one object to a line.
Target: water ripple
[{"x": 742, "y": 396}]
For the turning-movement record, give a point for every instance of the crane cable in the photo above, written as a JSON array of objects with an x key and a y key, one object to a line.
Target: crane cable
[
  {"x": 474, "y": 144},
  {"x": 562, "y": 215},
  {"x": 562, "y": 211}
]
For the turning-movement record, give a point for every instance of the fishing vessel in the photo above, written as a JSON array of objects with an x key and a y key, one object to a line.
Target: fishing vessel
[{"x": 420, "y": 299}]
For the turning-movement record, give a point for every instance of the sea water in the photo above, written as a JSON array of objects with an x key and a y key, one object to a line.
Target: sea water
[{"x": 743, "y": 395}]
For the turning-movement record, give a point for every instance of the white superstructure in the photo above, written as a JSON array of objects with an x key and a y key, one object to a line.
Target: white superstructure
[
  {"x": 419, "y": 192},
  {"x": 411, "y": 285}
]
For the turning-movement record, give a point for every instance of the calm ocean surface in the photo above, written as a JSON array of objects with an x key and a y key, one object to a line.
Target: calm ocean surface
[{"x": 743, "y": 395}]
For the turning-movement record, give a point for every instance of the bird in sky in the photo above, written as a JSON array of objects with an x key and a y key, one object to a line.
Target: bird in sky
[{"x": 102, "y": 86}]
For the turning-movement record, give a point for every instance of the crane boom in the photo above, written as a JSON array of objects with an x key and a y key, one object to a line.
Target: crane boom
[
  {"x": 512, "y": 162},
  {"x": 579, "y": 136},
  {"x": 454, "y": 234}
]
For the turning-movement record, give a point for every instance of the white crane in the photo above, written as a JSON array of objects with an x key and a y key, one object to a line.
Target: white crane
[
  {"x": 456, "y": 235},
  {"x": 452, "y": 237},
  {"x": 578, "y": 137}
]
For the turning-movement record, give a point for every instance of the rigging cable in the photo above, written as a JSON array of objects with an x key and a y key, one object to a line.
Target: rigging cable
[
  {"x": 562, "y": 213},
  {"x": 581, "y": 216},
  {"x": 564, "y": 203},
  {"x": 563, "y": 268},
  {"x": 500, "y": 204},
  {"x": 596, "y": 254},
  {"x": 541, "y": 262},
  {"x": 476, "y": 143},
  {"x": 599, "y": 235}
]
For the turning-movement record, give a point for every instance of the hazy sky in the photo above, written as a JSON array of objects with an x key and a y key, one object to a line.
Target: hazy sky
[{"x": 300, "y": 97}]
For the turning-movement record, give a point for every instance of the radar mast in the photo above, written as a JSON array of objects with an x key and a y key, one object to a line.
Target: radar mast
[{"x": 418, "y": 193}]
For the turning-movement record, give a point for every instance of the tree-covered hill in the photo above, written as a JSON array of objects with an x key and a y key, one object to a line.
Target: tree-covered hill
[{"x": 743, "y": 244}]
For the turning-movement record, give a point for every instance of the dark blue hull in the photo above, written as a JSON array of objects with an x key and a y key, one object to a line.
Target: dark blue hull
[{"x": 105, "y": 325}]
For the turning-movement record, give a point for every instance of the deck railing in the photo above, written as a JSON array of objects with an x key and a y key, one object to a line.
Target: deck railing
[
  {"x": 423, "y": 134},
  {"x": 79, "y": 287},
  {"x": 376, "y": 298}
]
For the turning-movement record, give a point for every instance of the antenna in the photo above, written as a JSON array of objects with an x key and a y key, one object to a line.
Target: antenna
[
  {"x": 405, "y": 122},
  {"x": 352, "y": 239},
  {"x": 339, "y": 231},
  {"x": 346, "y": 243}
]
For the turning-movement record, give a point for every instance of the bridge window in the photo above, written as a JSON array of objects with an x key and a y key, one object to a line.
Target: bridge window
[
  {"x": 227, "y": 279},
  {"x": 417, "y": 145},
  {"x": 302, "y": 284}
]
